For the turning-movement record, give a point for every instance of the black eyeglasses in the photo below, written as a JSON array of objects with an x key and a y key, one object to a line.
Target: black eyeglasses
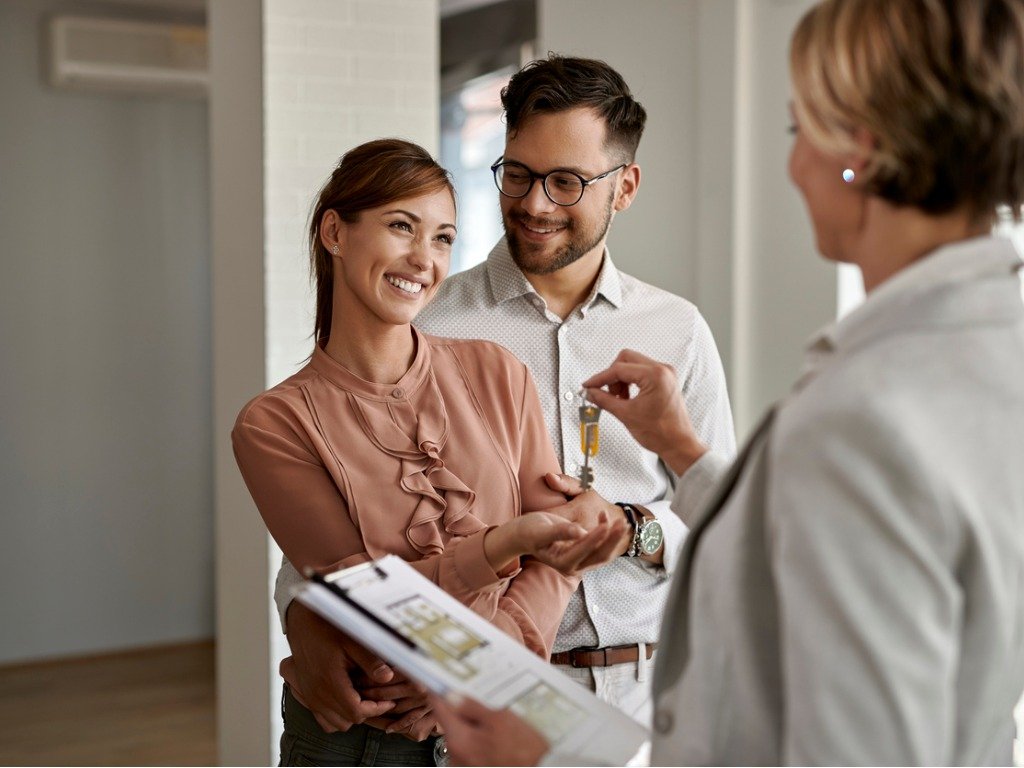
[{"x": 562, "y": 187}]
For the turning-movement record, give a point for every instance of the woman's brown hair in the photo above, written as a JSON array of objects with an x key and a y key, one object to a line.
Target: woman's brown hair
[
  {"x": 373, "y": 174},
  {"x": 939, "y": 85}
]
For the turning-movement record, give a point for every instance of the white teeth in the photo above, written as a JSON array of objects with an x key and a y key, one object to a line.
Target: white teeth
[
  {"x": 405, "y": 285},
  {"x": 540, "y": 231}
]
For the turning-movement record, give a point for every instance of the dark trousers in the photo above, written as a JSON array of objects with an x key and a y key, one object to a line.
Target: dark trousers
[{"x": 304, "y": 742}]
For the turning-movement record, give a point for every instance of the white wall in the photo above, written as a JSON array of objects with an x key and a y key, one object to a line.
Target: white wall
[
  {"x": 336, "y": 74},
  {"x": 105, "y": 462},
  {"x": 783, "y": 290}
]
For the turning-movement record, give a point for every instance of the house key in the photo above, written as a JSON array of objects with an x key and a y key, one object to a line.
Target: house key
[{"x": 589, "y": 440}]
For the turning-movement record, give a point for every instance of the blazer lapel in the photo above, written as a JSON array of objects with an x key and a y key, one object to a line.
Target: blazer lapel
[{"x": 674, "y": 640}]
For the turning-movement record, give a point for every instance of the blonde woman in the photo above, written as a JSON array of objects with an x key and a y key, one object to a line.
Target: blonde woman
[{"x": 852, "y": 588}]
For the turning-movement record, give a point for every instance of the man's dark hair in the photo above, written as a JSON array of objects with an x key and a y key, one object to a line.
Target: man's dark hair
[{"x": 558, "y": 83}]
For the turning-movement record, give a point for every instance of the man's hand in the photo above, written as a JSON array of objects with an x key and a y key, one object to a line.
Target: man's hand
[
  {"x": 555, "y": 541},
  {"x": 412, "y": 715},
  {"x": 478, "y": 735},
  {"x": 567, "y": 485},
  {"x": 524, "y": 535},
  {"x": 573, "y": 556},
  {"x": 319, "y": 672},
  {"x": 584, "y": 507},
  {"x": 656, "y": 416}
]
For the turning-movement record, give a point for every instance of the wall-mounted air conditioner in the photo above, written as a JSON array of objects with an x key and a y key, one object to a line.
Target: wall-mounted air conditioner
[{"x": 128, "y": 56}]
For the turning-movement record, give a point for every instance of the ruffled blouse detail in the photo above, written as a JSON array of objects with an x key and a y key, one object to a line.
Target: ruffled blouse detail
[
  {"x": 443, "y": 496},
  {"x": 387, "y": 414}
]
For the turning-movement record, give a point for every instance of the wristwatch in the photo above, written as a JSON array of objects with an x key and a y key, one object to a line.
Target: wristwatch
[{"x": 647, "y": 534}]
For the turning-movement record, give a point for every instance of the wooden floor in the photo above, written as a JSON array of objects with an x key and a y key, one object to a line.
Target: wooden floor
[{"x": 150, "y": 707}]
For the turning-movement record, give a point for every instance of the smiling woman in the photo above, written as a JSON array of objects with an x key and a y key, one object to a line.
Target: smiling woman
[
  {"x": 394, "y": 442},
  {"x": 375, "y": 176}
]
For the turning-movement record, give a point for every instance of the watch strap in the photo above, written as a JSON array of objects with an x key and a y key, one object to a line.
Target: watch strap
[
  {"x": 643, "y": 513},
  {"x": 634, "y": 517}
]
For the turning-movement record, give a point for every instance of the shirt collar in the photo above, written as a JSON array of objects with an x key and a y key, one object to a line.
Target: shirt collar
[
  {"x": 896, "y": 300},
  {"x": 609, "y": 284},
  {"x": 508, "y": 281}
]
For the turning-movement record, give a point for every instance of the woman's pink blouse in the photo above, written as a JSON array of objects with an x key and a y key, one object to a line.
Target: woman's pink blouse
[{"x": 344, "y": 470}]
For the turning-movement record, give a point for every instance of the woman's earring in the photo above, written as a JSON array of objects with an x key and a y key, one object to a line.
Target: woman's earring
[
  {"x": 334, "y": 250},
  {"x": 848, "y": 175}
]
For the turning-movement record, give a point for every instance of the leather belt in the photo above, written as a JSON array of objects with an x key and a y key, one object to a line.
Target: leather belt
[{"x": 602, "y": 657}]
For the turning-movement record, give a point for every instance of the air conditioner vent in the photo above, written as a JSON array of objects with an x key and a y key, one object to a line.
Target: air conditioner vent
[{"x": 128, "y": 56}]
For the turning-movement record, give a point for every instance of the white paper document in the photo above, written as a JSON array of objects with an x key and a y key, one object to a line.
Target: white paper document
[{"x": 421, "y": 630}]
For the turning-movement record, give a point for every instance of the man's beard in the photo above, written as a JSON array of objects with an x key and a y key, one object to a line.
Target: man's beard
[{"x": 530, "y": 257}]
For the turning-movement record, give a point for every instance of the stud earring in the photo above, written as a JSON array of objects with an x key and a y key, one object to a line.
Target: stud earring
[
  {"x": 335, "y": 250},
  {"x": 848, "y": 175}
]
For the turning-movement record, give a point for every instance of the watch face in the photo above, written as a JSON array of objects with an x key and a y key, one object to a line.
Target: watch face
[{"x": 651, "y": 537}]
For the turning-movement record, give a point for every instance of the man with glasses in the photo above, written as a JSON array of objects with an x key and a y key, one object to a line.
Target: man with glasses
[{"x": 550, "y": 293}]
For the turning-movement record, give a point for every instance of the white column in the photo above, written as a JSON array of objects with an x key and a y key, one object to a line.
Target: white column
[
  {"x": 244, "y": 712},
  {"x": 336, "y": 74}
]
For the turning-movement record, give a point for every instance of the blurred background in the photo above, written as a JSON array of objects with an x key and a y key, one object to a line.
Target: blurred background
[{"x": 158, "y": 160}]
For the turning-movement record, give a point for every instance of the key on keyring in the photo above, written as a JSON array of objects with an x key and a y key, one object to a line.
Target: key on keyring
[{"x": 589, "y": 440}]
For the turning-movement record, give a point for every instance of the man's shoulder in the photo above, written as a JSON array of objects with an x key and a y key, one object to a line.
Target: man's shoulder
[
  {"x": 459, "y": 300},
  {"x": 643, "y": 297},
  {"x": 470, "y": 286}
]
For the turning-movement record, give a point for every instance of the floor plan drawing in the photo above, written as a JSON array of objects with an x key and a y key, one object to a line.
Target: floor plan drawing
[
  {"x": 442, "y": 637},
  {"x": 548, "y": 711}
]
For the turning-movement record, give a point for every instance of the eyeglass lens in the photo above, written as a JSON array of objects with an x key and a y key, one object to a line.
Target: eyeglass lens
[{"x": 562, "y": 187}]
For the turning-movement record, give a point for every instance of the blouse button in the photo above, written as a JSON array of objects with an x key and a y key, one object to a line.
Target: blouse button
[
  {"x": 396, "y": 392},
  {"x": 663, "y": 721}
]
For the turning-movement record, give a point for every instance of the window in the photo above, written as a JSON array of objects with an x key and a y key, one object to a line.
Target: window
[{"x": 472, "y": 138}]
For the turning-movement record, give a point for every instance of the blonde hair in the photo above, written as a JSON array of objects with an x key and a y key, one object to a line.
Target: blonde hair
[{"x": 938, "y": 84}]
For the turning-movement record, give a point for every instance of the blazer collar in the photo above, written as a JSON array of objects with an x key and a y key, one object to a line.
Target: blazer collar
[{"x": 966, "y": 282}]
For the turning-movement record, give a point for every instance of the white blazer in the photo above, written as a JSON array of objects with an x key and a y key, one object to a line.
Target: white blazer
[{"x": 853, "y": 590}]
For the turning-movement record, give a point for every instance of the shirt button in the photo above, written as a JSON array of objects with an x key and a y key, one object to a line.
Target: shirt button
[
  {"x": 662, "y": 721},
  {"x": 568, "y": 396},
  {"x": 396, "y": 392}
]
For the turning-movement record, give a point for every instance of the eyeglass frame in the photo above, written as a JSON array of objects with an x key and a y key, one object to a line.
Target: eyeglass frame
[{"x": 534, "y": 176}]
